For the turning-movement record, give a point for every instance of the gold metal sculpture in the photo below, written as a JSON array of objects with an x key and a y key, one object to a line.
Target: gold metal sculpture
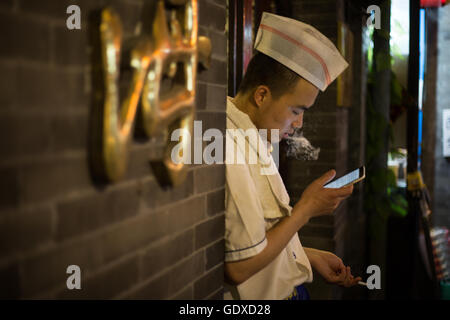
[{"x": 171, "y": 50}]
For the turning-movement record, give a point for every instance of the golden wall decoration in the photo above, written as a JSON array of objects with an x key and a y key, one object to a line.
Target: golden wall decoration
[{"x": 168, "y": 49}]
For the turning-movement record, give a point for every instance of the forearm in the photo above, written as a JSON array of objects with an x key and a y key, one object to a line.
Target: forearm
[
  {"x": 311, "y": 253},
  {"x": 277, "y": 239}
]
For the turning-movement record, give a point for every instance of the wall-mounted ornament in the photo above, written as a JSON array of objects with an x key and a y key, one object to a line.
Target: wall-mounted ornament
[{"x": 168, "y": 48}]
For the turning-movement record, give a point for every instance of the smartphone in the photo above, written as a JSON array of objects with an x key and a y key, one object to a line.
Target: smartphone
[{"x": 350, "y": 178}]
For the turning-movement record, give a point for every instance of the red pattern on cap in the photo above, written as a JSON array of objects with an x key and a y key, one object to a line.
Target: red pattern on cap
[{"x": 301, "y": 46}]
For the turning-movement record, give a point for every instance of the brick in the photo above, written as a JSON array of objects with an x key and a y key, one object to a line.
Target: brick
[
  {"x": 319, "y": 119},
  {"x": 219, "y": 44},
  {"x": 139, "y": 161},
  {"x": 10, "y": 280},
  {"x": 216, "y": 97},
  {"x": 208, "y": 283},
  {"x": 107, "y": 283},
  {"x": 212, "y": 120},
  {"x": 325, "y": 143},
  {"x": 27, "y": 134},
  {"x": 218, "y": 295},
  {"x": 133, "y": 234},
  {"x": 70, "y": 47},
  {"x": 215, "y": 254},
  {"x": 216, "y": 74},
  {"x": 7, "y": 4},
  {"x": 45, "y": 270},
  {"x": 219, "y": 3},
  {"x": 313, "y": 170},
  {"x": 40, "y": 133},
  {"x": 200, "y": 97},
  {"x": 323, "y": 220},
  {"x": 209, "y": 231},
  {"x": 155, "y": 289},
  {"x": 326, "y": 131},
  {"x": 54, "y": 178},
  {"x": 8, "y": 85},
  {"x": 186, "y": 214},
  {"x": 8, "y": 36},
  {"x": 85, "y": 214},
  {"x": 311, "y": 230},
  {"x": 155, "y": 196},
  {"x": 24, "y": 38},
  {"x": 69, "y": 132},
  {"x": 186, "y": 294},
  {"x": 318, "y": 7},
  {"x": 167, "y": 253},
  {"x": 320, "y": 20},
  {"x": 318, "y": 243},
  {"x": 217, "y": 17},
  {"x": 328, "y": 156},
  {"x": 209, "y": 178},
  {"x": 47, "y": 88},
  {"x": 215, "y": 202},
  {"x": 9, "y": 187},
  {"x": 130, "y": 13},
  {"x": 188, "y": 270},
  {"x": 25, "y": 230},
  {"x": 56, "y": 9},
  {"x": 203, "y": 31}
]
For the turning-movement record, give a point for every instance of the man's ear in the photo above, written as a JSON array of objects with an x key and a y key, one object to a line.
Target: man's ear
[{"x": 261, "y": 94}]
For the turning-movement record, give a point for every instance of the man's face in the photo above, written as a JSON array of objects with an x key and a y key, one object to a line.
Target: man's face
[{"x": 286, "y": 112}]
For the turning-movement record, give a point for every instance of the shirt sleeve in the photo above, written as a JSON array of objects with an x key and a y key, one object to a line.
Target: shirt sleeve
[{"x": 245, "y": 232}]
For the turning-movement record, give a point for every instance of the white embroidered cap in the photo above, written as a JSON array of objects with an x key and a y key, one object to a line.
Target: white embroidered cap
[{"x": 301, "y": 48}]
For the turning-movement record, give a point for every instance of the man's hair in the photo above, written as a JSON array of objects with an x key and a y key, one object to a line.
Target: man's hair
[{"x": 263, "y": 70}]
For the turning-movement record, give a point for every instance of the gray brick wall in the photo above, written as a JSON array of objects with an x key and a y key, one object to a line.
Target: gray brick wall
[
  {"x": 131, "y": 239},
  {"x": 441, "y": 205}
]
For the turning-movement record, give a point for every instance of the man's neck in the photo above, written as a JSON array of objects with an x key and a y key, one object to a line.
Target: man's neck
[{"x": 241, "y": 102}]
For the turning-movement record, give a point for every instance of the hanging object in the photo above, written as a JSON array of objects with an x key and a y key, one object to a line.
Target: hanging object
[{"x": 168, "y": 49}]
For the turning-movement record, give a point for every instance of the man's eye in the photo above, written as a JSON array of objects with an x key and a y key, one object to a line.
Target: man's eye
[{"x": 295, "y": 112}]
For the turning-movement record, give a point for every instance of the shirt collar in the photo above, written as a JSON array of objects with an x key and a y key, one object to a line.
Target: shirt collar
[{"x": 242, "y": 120}]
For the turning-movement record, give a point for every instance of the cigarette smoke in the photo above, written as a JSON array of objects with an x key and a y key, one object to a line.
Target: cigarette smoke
[{"x": 300, "y": 148}]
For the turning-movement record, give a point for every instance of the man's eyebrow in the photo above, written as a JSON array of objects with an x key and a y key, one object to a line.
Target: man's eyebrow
[{"x": 302, "y": 107}]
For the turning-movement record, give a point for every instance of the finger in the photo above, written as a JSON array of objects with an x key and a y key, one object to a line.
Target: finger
[
  {"x": 341, "y": 266},
  {"x": 342, "y": 276},
  {"x": 347, "y": 280},
  {"x": 334, "y": 278},
  {"x": 344, "y": 191},
  {"x": 355, "y": 281},
  {"x": 342, "y": 198},
  {"x": 327, "y": 177}
]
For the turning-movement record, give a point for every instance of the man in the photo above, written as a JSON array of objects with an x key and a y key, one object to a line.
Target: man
[{"x": 264, "y": 258}]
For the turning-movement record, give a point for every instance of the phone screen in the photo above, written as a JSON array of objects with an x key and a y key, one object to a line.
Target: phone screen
[{"x": 349, "y": 178}]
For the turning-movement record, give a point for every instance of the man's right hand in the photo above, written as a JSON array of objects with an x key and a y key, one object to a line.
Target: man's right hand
[{"x": 317, "y": 200}]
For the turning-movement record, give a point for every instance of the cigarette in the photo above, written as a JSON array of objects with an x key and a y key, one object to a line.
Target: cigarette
[{"x": 362, "y": 283}]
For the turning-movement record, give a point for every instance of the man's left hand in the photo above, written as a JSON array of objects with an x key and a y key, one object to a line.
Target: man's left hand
[{"x": 332, "y": 269}]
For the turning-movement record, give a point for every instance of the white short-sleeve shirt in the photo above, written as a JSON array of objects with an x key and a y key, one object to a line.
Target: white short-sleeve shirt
[{"x": 254, "y": 203}]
